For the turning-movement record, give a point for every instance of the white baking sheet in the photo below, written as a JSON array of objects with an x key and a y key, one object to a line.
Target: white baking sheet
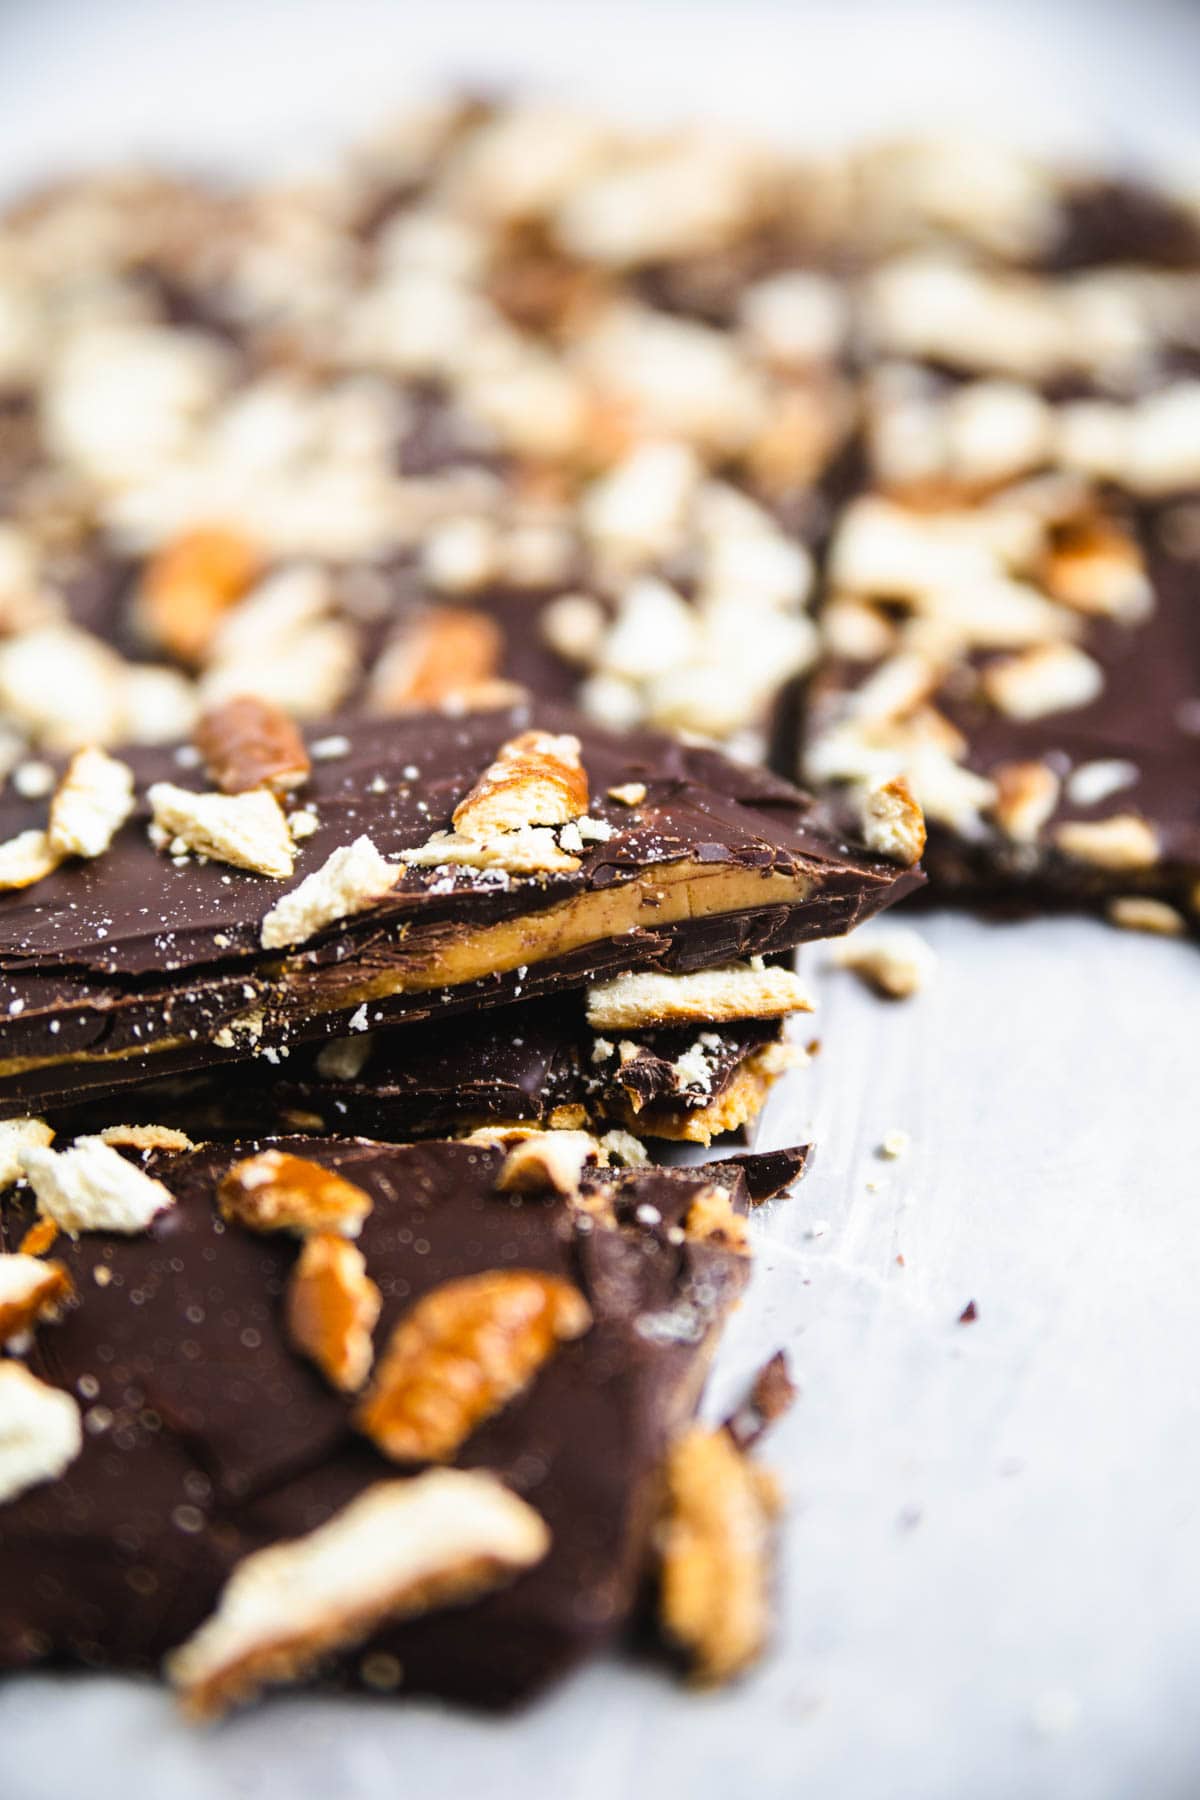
[{"x": 991, "y": 1581}]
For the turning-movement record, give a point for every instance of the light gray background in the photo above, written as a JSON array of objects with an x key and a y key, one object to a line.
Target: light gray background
[{"x": 991, "y": 1585}]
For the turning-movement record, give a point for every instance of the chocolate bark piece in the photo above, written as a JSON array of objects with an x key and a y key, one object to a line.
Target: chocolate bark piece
[
  {"x": 142, "y": 963},
  {"x": 1043, "y": 700},
  {"x": 207, "y": 1435},
  {"x": 535, "y": 1063}
]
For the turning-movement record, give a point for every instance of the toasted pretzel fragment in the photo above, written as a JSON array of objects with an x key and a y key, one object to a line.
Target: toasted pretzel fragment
[
  {"x": 535, "y": 779},
  {"x": 40, "y": 1430},
  {"x": 145, "y": 1137},
  {"x": 450, "y": 651},
  {"x": 251, "y": 743},
  {"x": 30, "y": 1291},
  {"x": 711, "y": 1215},
  {"x": 17, "y": 1135},
  {"x": 191, "y": 584},
  {"x": 26, "y": 858},
  {"x": 894, "y": 960},
  {"x": 531, "y": 850},
  {"x": 332, "y": 1307},
  {"x": 893, "y": 825},
  {"x": 1139, "y": 912},
  {"x": 1026, "y": 796},
  {"x": 1123, "y": 841},
  {"x": 275, "y": 1191},
  {"x": 716, "y": 1554},
  {"x": 552, "y": 1159},
  {"x": 247, "y": 830},
  {"x": 349, "y": 881},
  {"x": 738, "y": 991},
  {"x": 397, "y": 1550},
  {"x": 1050, "y": 678},
  {"x": 90, "y": 804},
  {"x": 464, "y": 1351},
  {"x": 91, "y": 1187}
]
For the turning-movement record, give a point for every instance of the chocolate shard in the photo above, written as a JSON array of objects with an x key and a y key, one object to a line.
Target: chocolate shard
[
  {"x": 208, "y": 1435},
  {"x": 771, "y": 1395},
  {"x": 153, "y": 960}
]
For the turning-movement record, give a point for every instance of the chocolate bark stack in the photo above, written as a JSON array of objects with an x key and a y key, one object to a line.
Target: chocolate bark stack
[{"x": 402, "y": 585}]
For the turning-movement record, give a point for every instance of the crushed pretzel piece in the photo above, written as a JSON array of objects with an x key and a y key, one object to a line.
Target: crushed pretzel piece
[
  {"x": 1049, "y": 678},
  {"x": 40, "y": 1238},
  {"x": 145, "y": 1137},
  {"x": 30, "y": 1291},
  {"x": 531, "y": 850},
  {"x": 26, "y": 858},
  {"x": 17, "y": 1135},
  {"x": 332, "y": 1309},
  {"x": 90, "y": 804},
  {"x": 716, "y": 1554},
  {"x": 41, "y": 1433},
  {"x": 91, "y": 1187},
  {"x": 400, "y": 1549},
  {"x": 190, "y": 585},
  {"x": 1123, "y": 841},
  {"x": 350, "y": 881},
  {"x": 274, "y": 1191},
  {"x": 630, "y": 793},
  {"x": 738, "y": 991},
  {"x": 1139, "y": 912},
  {"x": 250, "y": 743},
  {"x": 247, "y": 830},
  {"x": 894, "y": 961},
  {"x": 552, "y": 1159},
  {"x": 535, "y": 779},
  {"x": 893, "y": 824},
  {"x": 452, "y": 650},
  {"x": 1027, "y": 794},
  {"x": 464, "y": 1351},
  {"x": 711, "y": 1216}
]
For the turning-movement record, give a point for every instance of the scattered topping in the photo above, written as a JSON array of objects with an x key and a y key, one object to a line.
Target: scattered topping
[
  {"x": 146, "y": 1137},
  {"x": 715, "y": 1549},
  {"x": 91, "y": 803},
  {"x": 738, "y": 991},
  {"x": 1051, "y": 678},
  {"x": 275, "y": 1191},
  {"x": 894, "y": 1145},
  {"x": 40, "y": 1431},
  {"x": 400, "y": 1549},
  {"x": 1123, "y": 841},
  {"x": 450, "y": 651},
  {"x": 631, "y": 793},
  {"x": 344, "y": 1059},
  {"x": 30, "y": 1291},
  {"x": 894, "y": 961},
  {"x": 553, "y": 1159},
  {"x": 27, "y": 858},
  {"x": 91, "y": 1187},
  {"x": 1093, "y": 782},
  {"x": 535, "y": 779},
  {"x": 892, "y": 822},
  {"x": 533, "y": 850},
  {"x": 1026, "y": 796},
  {"x": 464, "y": 1351},
  {"x": 191, "y": 584},
  {"x": 247, "y": 830},
  {"x": 17, "y": 1135},
  {"x": 711, "y": 1216},
  {"x": 251, "y": 743},
  {"x": 348, "y": 882},
  {"x": 1138, "y": 912},
  {"x": 332, "y": 1308}
]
